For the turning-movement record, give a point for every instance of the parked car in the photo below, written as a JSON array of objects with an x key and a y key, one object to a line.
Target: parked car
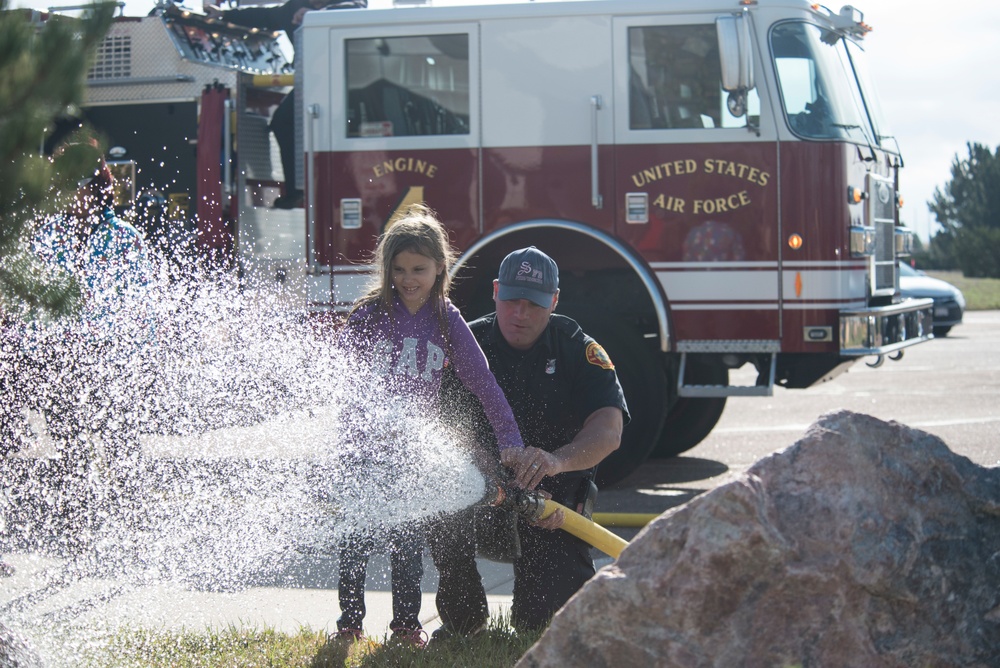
[{"x": 949, "y": 302}]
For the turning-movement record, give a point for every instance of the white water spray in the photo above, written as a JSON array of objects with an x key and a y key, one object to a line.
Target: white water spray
[{"x": 205, "y": 437}]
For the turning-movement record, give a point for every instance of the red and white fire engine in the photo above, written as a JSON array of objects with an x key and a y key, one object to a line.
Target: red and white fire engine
[{"x": 714, "y": 178}]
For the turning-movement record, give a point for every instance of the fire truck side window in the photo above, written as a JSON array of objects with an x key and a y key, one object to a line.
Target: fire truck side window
[
  {"x": 408, "y": 86},
  {"x": 675, "y": 79}
]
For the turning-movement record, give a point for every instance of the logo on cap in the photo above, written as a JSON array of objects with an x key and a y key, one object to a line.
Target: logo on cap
[{"x": 528, "y": 274}]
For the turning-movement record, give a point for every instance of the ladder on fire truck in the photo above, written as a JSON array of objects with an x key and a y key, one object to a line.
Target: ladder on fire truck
[{"x": 764, "y": 387}]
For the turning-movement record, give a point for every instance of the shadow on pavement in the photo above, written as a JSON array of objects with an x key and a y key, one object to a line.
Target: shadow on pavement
[{"x": 659, "y": 485}]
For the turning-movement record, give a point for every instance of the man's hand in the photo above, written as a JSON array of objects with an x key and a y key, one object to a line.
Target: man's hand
[
  {"x": 600, "y": 436},
  {"x": 530, "y": 465},
  {"x": 522, "y": 463},
  {"x": 553, "y": 521}
]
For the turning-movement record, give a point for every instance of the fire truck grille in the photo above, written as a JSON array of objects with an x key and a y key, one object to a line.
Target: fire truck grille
[
  {"x": 885, "y": 266},
  {"x": 113, "y": 59},
  {"x": 882, "y": 198}
]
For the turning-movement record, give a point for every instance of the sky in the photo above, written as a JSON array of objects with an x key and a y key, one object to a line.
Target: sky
[{"x": 937, "y": 67}]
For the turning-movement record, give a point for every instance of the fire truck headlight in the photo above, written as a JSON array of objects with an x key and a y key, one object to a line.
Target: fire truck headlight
[
  {"x": 904, "y": 241},
  {"x": 862, "y": 241}
]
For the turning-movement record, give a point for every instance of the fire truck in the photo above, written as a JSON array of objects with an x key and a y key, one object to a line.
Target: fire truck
[
  {"x": 183, "y": 102},
  {"x": 715, "y": 178}
]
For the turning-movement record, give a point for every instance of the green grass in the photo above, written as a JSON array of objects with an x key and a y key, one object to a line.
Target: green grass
[
  {"x": 981, "y": 294},
  {"x": 498, "y": 647}
]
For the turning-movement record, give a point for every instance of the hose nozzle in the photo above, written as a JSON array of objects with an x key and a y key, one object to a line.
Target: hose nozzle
[
  {"x": 529, "y": 504},
  {"x": 532, "y": 506}
]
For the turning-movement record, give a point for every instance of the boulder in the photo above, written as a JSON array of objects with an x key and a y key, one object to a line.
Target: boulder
[{"x": 866, "y": 543}]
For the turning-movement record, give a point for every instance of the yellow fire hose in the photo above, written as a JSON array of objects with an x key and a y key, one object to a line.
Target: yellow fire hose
[
  {"x": 624, "y": 520},
  {"x": 585, "y": 530},
  {"x": 533, "y": 506}
]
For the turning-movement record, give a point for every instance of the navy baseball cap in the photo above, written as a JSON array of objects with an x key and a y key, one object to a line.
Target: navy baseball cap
[{"x": 528, "y": 274}]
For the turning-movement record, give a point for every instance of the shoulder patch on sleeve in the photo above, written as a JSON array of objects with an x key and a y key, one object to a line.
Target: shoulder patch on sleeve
[{"x": 597, "y": 356}]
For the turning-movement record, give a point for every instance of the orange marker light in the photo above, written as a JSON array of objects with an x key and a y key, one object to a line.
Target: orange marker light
[{"x": 795, "y": 242}]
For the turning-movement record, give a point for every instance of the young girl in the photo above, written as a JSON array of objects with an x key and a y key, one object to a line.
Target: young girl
[{"x": 411, "y": 332}]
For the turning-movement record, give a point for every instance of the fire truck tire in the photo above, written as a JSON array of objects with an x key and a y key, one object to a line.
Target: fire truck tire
[
  {"x": 691, "y": 420},
  {"x": 645, "y": 387}
]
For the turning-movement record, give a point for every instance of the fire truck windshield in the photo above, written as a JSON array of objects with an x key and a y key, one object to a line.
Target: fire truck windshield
[
  {"x": 820, "y": 93},
  {"x": 878, "y": 120}
]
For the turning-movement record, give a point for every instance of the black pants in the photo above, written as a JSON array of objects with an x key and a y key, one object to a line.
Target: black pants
[
  {"x": 552, "y": 567},
  {"x": 405, "y": 558},
  {"x": 461, "y": 598},
  {"x": 283, "y": 126}
]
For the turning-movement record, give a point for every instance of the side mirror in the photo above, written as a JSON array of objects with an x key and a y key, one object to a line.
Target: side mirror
[{"x": 736, "y": 59}]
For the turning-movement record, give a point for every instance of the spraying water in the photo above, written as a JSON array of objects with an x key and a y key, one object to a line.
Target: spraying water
[{"x": 202, "y": 435}]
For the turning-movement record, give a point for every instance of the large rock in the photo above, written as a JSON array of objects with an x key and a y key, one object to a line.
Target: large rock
[{"x": 866, "y": 543}]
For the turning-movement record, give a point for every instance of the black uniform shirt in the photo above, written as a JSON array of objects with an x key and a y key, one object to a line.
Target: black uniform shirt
[{"x": 554, "y": 386}]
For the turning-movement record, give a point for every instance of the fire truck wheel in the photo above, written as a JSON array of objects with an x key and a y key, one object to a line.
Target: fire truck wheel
[
  {"x": 645, "y": 386},
  {"x": 691, "y": 420}
]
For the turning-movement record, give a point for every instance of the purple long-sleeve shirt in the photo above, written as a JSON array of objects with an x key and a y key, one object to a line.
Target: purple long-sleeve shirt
[{"x": 411, "y": 348}]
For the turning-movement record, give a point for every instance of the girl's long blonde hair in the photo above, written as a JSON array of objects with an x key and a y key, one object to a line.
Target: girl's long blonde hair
[{"x": 418, "y": 230}]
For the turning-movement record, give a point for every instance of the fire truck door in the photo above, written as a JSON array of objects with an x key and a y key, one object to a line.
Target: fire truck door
[
  {"x": 696, "y": 187},
  {"x": 403, "y": 128},
  {"x": 547, "y": 128}
]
